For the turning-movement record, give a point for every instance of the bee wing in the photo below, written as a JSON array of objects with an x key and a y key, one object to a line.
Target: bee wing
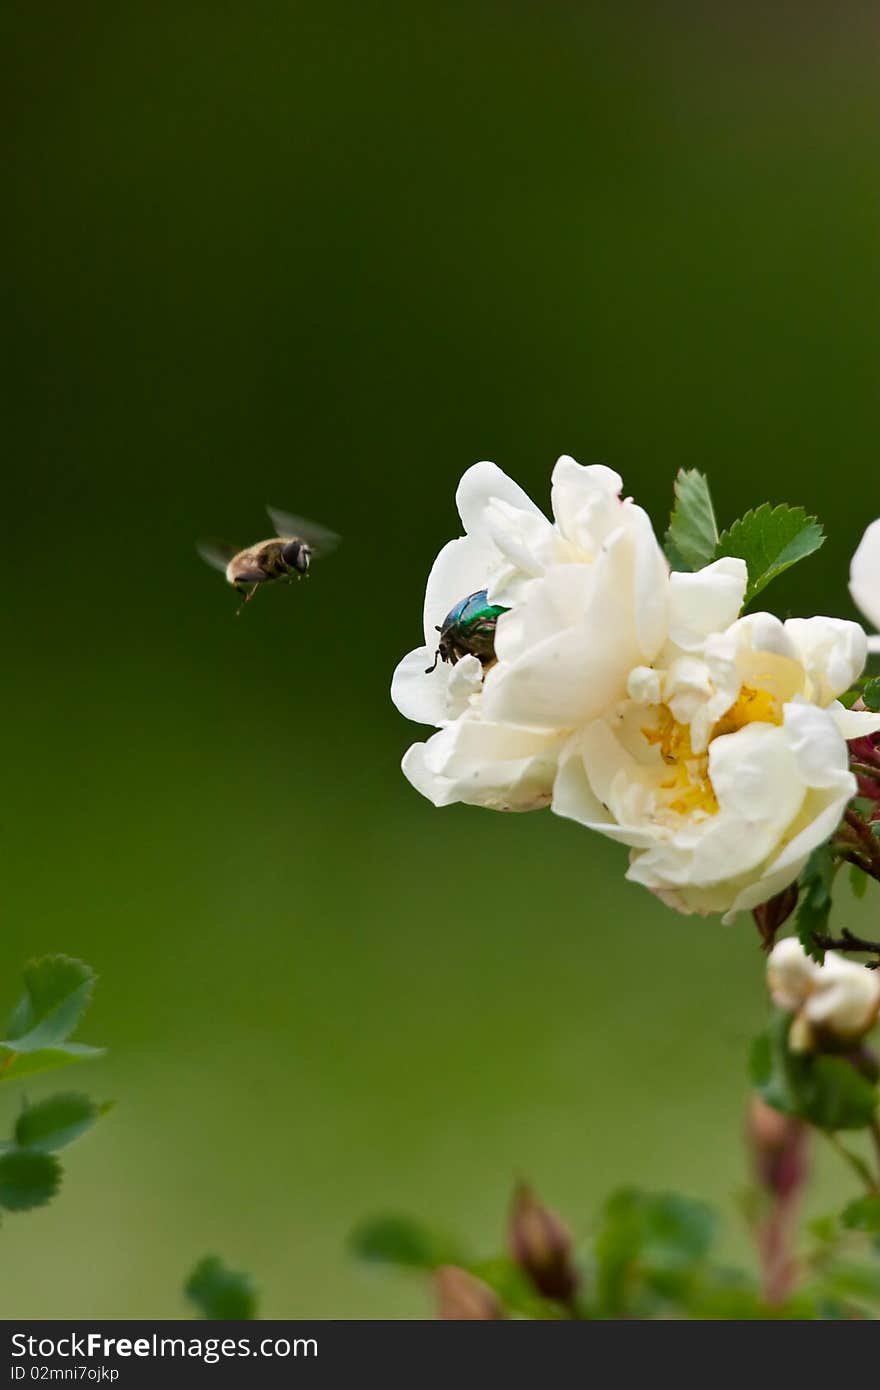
[
  {"x": 319, "y": 540},
  {"x": 217, "y": 554}
]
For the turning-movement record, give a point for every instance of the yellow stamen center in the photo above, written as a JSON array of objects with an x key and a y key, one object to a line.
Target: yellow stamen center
[{"x": 689, "y": 785}]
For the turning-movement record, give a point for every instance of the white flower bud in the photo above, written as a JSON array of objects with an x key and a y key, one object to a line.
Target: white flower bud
[
  {"x": 790, "y": 974},
  {"x": 839, "y": 999}
]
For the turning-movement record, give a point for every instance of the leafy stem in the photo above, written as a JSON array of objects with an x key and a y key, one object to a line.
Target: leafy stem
[
  {"x": 858, "y": 1165},
  {"x": 869, "y": 846},
  {"x": 848, "y": 941}
]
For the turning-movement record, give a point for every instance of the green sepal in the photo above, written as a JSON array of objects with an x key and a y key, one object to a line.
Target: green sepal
[{"x": 825, "y": 1091}]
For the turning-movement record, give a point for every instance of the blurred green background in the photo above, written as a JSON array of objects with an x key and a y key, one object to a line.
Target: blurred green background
[{"x": 326, "y": 255}]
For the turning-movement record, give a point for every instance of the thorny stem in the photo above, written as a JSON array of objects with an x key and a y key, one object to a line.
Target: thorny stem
[
  {"x": 778, "y": 1263},
  {"x": 848, "y": 941},
  {"x": 869, "y": 770},
  {"x": 866, "y": 838}
]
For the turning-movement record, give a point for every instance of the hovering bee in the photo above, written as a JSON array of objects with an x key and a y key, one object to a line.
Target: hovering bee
[
  {"x": 285, "y": 557},
  {"x": 468, "y": 630}
]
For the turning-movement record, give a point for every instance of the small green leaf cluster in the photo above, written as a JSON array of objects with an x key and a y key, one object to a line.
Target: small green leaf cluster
[
  {"x": 814, "y": 900},
  {"x": 871, "y": 693},
  {"x": 829, "y": 1092},
  {"x": 649, "y": 1255},
  {"x": 220, "y": 1292},
  {"x": 769, "y": 539},
  {"x": 58, "y": 990}
]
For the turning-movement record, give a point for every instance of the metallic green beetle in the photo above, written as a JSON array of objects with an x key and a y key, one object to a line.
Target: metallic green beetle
[{"x": 469, "y": 630}]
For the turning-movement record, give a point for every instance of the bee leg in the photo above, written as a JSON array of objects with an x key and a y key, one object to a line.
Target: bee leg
[{"x": 248, "y": 594}]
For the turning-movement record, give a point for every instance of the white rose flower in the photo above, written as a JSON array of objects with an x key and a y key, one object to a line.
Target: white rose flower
[
  {"x": 864, "y": 579},
  {"x": 633, "y": 700},
  {"x": 598, "y": 578},
  {"x": 839, "y": 998},
  {"x": 727, "y": 764}
]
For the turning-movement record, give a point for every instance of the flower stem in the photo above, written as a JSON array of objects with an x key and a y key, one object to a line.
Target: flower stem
[
  {"x": 858, "y": 1165},
  {"x": 868, "y": 844},
  {"x": 875, "y": 1135},
  {"x": 848, "y": 941}
]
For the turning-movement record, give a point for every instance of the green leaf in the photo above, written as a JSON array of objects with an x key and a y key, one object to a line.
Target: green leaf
[
  {"x": 770, "y": 540},
  {"x": 678, "y": 1230},
  {"x": 825, "y": 1091},
  {"x": 398, "y": 1240},
  {"x": 28, "y": 1179},
  {"x": 863, "y": 1214},
  {"x": 56, "y": 1121},
  {"x": 58, "y": 990},
  {"x": 650, "y": 1241},
  {"x": 221, "y": 1293},
  {"x": 858, "y": 882},
  {"x": 841, "y": 1097},
  {"x": 871, "y": 694},
  {"x": 814, "y": 903},
  {"x": 515, "y": 1290},
  {"x": 14, "y": 1065},
  {"x": 851, "y": 1279},
  {"x": 693, "y": 534}
]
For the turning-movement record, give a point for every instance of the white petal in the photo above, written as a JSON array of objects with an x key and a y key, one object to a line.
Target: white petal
[
  {"x": 438, "y": 696},
  {"x": 815, "y": 740},
  {"x": 575, "y": 672},
  {"x": 479, "y": 485},
  {"x": 820, "y": 816},
  {"x": 463, "y": 567},
  {"x": 766, "y": 657},
  {"x": 651, "y": 581},
  {"x": 756, "y": 777},
  {"x": 791, "y": 975},
  {"x": 575, "y": 799},
  {"x": 586, "y": 502},
  {"x": 761, "y": 889},
  {"x": 527, "y": 545},
  {"x": 705, "y": 602},
  {"x": 644, "y": 685},
  {"x": 832, "y": 651},
  {"x": 846, "y": 998},
  {"x": 854, "y": 723},
  {"x": 864, "y": 574},
  {"x": 420, "y": 697},
  {"x": 484, "y": 765}
]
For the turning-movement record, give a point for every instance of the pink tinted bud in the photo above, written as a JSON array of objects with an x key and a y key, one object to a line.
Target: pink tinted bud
[
  {"x": 462, "y": 1298},
  {"x": 778, "y": 1145},
  {"x": 541, "y": 1245}
]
